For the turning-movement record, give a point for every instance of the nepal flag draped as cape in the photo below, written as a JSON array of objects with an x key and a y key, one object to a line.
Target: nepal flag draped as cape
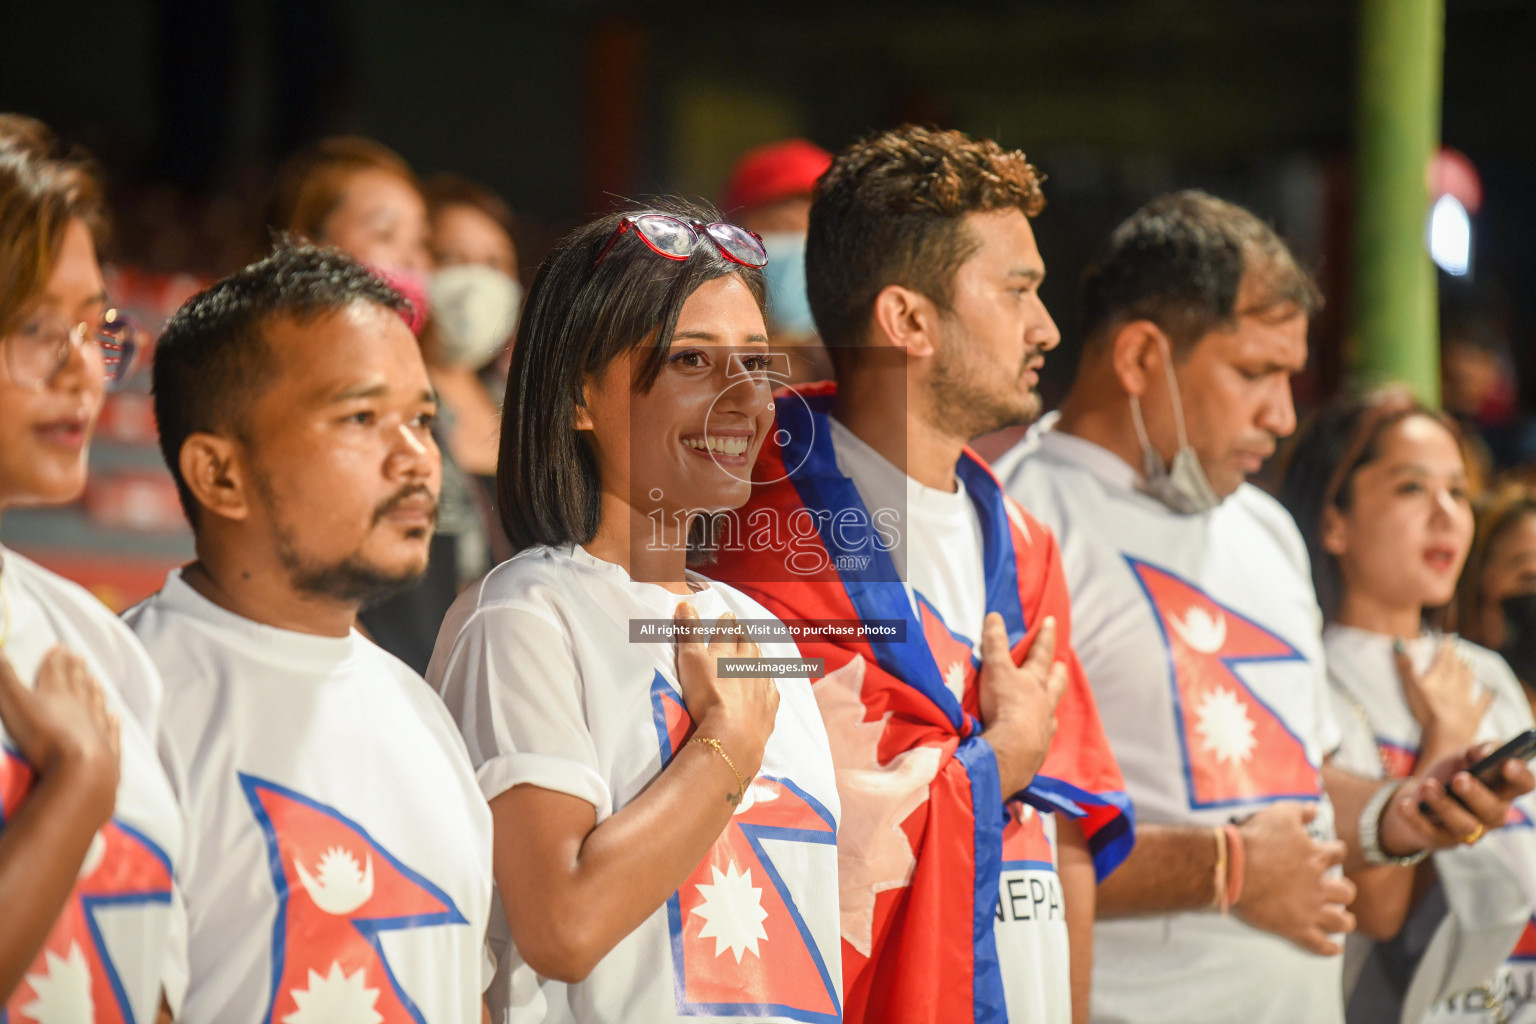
[{"x": 921, "y": 841}]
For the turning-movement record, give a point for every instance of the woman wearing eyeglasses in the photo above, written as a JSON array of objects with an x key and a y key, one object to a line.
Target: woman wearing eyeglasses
[
  {"x": 664, "y": 832},
  {"x": 89, "y": 831}
]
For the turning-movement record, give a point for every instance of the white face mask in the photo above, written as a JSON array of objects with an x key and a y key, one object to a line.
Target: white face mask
[
  {"x": 475, "y": 309},
  {"x": 1184, "y": 488}
]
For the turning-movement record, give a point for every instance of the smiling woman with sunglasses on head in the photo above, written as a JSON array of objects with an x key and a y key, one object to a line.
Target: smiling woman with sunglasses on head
[
  {"x": 86, "y": 817},
  {"x": 665, "y": 833}
]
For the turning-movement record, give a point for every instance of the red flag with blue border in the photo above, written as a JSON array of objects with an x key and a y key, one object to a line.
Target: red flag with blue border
[
  {"x": 927, "y": 930},
  {"x": 74, "y": 969},
  {"x": 338, "y": 892},
  {"x": 1236, "y": 749},
  {"x": 740, "y": 943}
]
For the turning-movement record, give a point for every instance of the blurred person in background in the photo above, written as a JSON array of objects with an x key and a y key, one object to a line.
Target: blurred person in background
[
  {"x": 1197, "y": 623},
  {"x": 471, "y": 225},
  {"x": 363, "y": 198},
  {"x": 769, "y": 192},
  {"x": 338, "y": 862},
  {"x": 1379, "y": 488},
  {"x": 476, "y": 298},
  {"x": 1478, "y": 387},
  {"x": 1497, "y": 601},
  {"x": 86, "y": 815}
]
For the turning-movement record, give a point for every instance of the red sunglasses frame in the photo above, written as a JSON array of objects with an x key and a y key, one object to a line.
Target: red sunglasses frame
[{"x": 697, "y": 228}]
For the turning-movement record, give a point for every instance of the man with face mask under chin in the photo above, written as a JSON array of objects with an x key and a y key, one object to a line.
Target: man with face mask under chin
[{"x": 1196, "y": 622}]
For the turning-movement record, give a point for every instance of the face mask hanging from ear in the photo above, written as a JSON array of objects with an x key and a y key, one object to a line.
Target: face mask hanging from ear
[{"x": 1184, "y": 488}]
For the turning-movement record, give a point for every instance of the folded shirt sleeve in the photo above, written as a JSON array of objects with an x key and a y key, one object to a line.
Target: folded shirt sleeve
[{"x": 513, "y": 686}]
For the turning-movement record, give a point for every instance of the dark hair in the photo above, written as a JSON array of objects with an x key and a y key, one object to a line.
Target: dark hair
[
  {"x": 446, "y": 189},
  {"x": 890, "y": 210},
  {"x": 1180, "y": 262},
  {"x": 1509, "y": 506},
  {"x": 1337, "y": 442},
  {"x": 579, "y": 317},
  {"x": 42, "y": 189},
  {"x": 213, "y": 360}
]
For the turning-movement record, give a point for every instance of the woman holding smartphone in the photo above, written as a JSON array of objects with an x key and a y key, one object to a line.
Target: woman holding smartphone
[
  {"x": 1497, "y": 608},
  {"x": 665, "y": 834},
  {"x": 1379, "y": 489}
]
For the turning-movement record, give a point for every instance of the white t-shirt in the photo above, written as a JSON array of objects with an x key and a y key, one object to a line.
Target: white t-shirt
[
  {"x": 537, "y": 663},
  {"x": 109, "y": 952},
  {"x": 339, "y": 867},
  {"x": 1202, "y": 639},
  {"x": 1490, "y": 888},
  {"x": 939, "y": 559}
]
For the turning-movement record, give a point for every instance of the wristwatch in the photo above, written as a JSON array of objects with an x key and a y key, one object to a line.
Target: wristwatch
[{"x": 1370, "y": 829}]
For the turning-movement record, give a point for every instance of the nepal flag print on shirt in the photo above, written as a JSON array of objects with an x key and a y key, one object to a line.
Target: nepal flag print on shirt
[
  {"x": 338, "y": 890},
  {"x": 1025, "y": 844},
  {"x": 1525, "y": 948},
  {"x": 740, "y": 945},
  {"x": 73, "y": 977},
  {"x": 1236, "y": 749}
]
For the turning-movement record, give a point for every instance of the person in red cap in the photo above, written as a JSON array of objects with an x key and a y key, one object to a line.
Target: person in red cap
[{"x": 769, "y": 192}]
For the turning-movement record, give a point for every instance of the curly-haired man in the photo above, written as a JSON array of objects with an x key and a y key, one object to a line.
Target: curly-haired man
[{"x": 970, "y": 835}]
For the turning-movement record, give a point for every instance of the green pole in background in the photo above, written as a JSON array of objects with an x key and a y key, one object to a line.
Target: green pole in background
[{"x": 1396, "y": 322}]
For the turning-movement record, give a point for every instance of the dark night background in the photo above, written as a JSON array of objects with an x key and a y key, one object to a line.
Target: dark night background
[{"x": 561, "y": 104}]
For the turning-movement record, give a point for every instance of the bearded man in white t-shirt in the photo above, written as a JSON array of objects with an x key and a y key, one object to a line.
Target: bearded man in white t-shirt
[
  {"x": 338, "y": 863},
  {"x": 1198, "y": 627}
]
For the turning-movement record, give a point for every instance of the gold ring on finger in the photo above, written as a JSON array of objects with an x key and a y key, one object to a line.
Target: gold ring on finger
[{"x": 1477, "y": 834}]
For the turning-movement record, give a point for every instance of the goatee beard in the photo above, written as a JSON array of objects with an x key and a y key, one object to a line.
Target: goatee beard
[{"x": 351, "y": 580}]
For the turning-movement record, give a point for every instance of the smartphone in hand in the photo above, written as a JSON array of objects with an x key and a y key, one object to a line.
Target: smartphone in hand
[{"x": 1490, "y": 770}]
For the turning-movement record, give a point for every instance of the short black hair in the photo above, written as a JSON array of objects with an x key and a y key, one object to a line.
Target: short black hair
[
  {"x": 1180, "y": 260},
  {"x": 213, "y": 359},
  {"x": 890, "y": 210},
  {"x": 580, "y": 315}
]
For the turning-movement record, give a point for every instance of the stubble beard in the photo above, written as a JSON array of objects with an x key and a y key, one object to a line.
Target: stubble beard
[
  {"x": 351, "y": 579},
  {"x": 966, "y": 399}
]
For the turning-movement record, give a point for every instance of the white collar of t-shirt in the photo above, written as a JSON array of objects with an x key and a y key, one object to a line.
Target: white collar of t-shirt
[
  {"x": 881, "y": 483},
  {"x": 1109, "y": 468},
  {"x": 278, "y": 647},
  {"x": 940, "y": 553},
  {"x": 653, "y": 596}
]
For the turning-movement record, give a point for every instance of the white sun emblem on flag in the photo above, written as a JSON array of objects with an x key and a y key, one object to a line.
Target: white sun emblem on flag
[
  {"x": 335, "y": 998},
  {"x": 733, "y": 912},
  {"x": 1226, "y": 731},
  {"x": 64, "y": 992}
]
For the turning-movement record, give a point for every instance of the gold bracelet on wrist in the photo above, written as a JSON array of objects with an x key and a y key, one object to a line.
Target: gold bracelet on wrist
[{"x": 741, "y": 784}]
